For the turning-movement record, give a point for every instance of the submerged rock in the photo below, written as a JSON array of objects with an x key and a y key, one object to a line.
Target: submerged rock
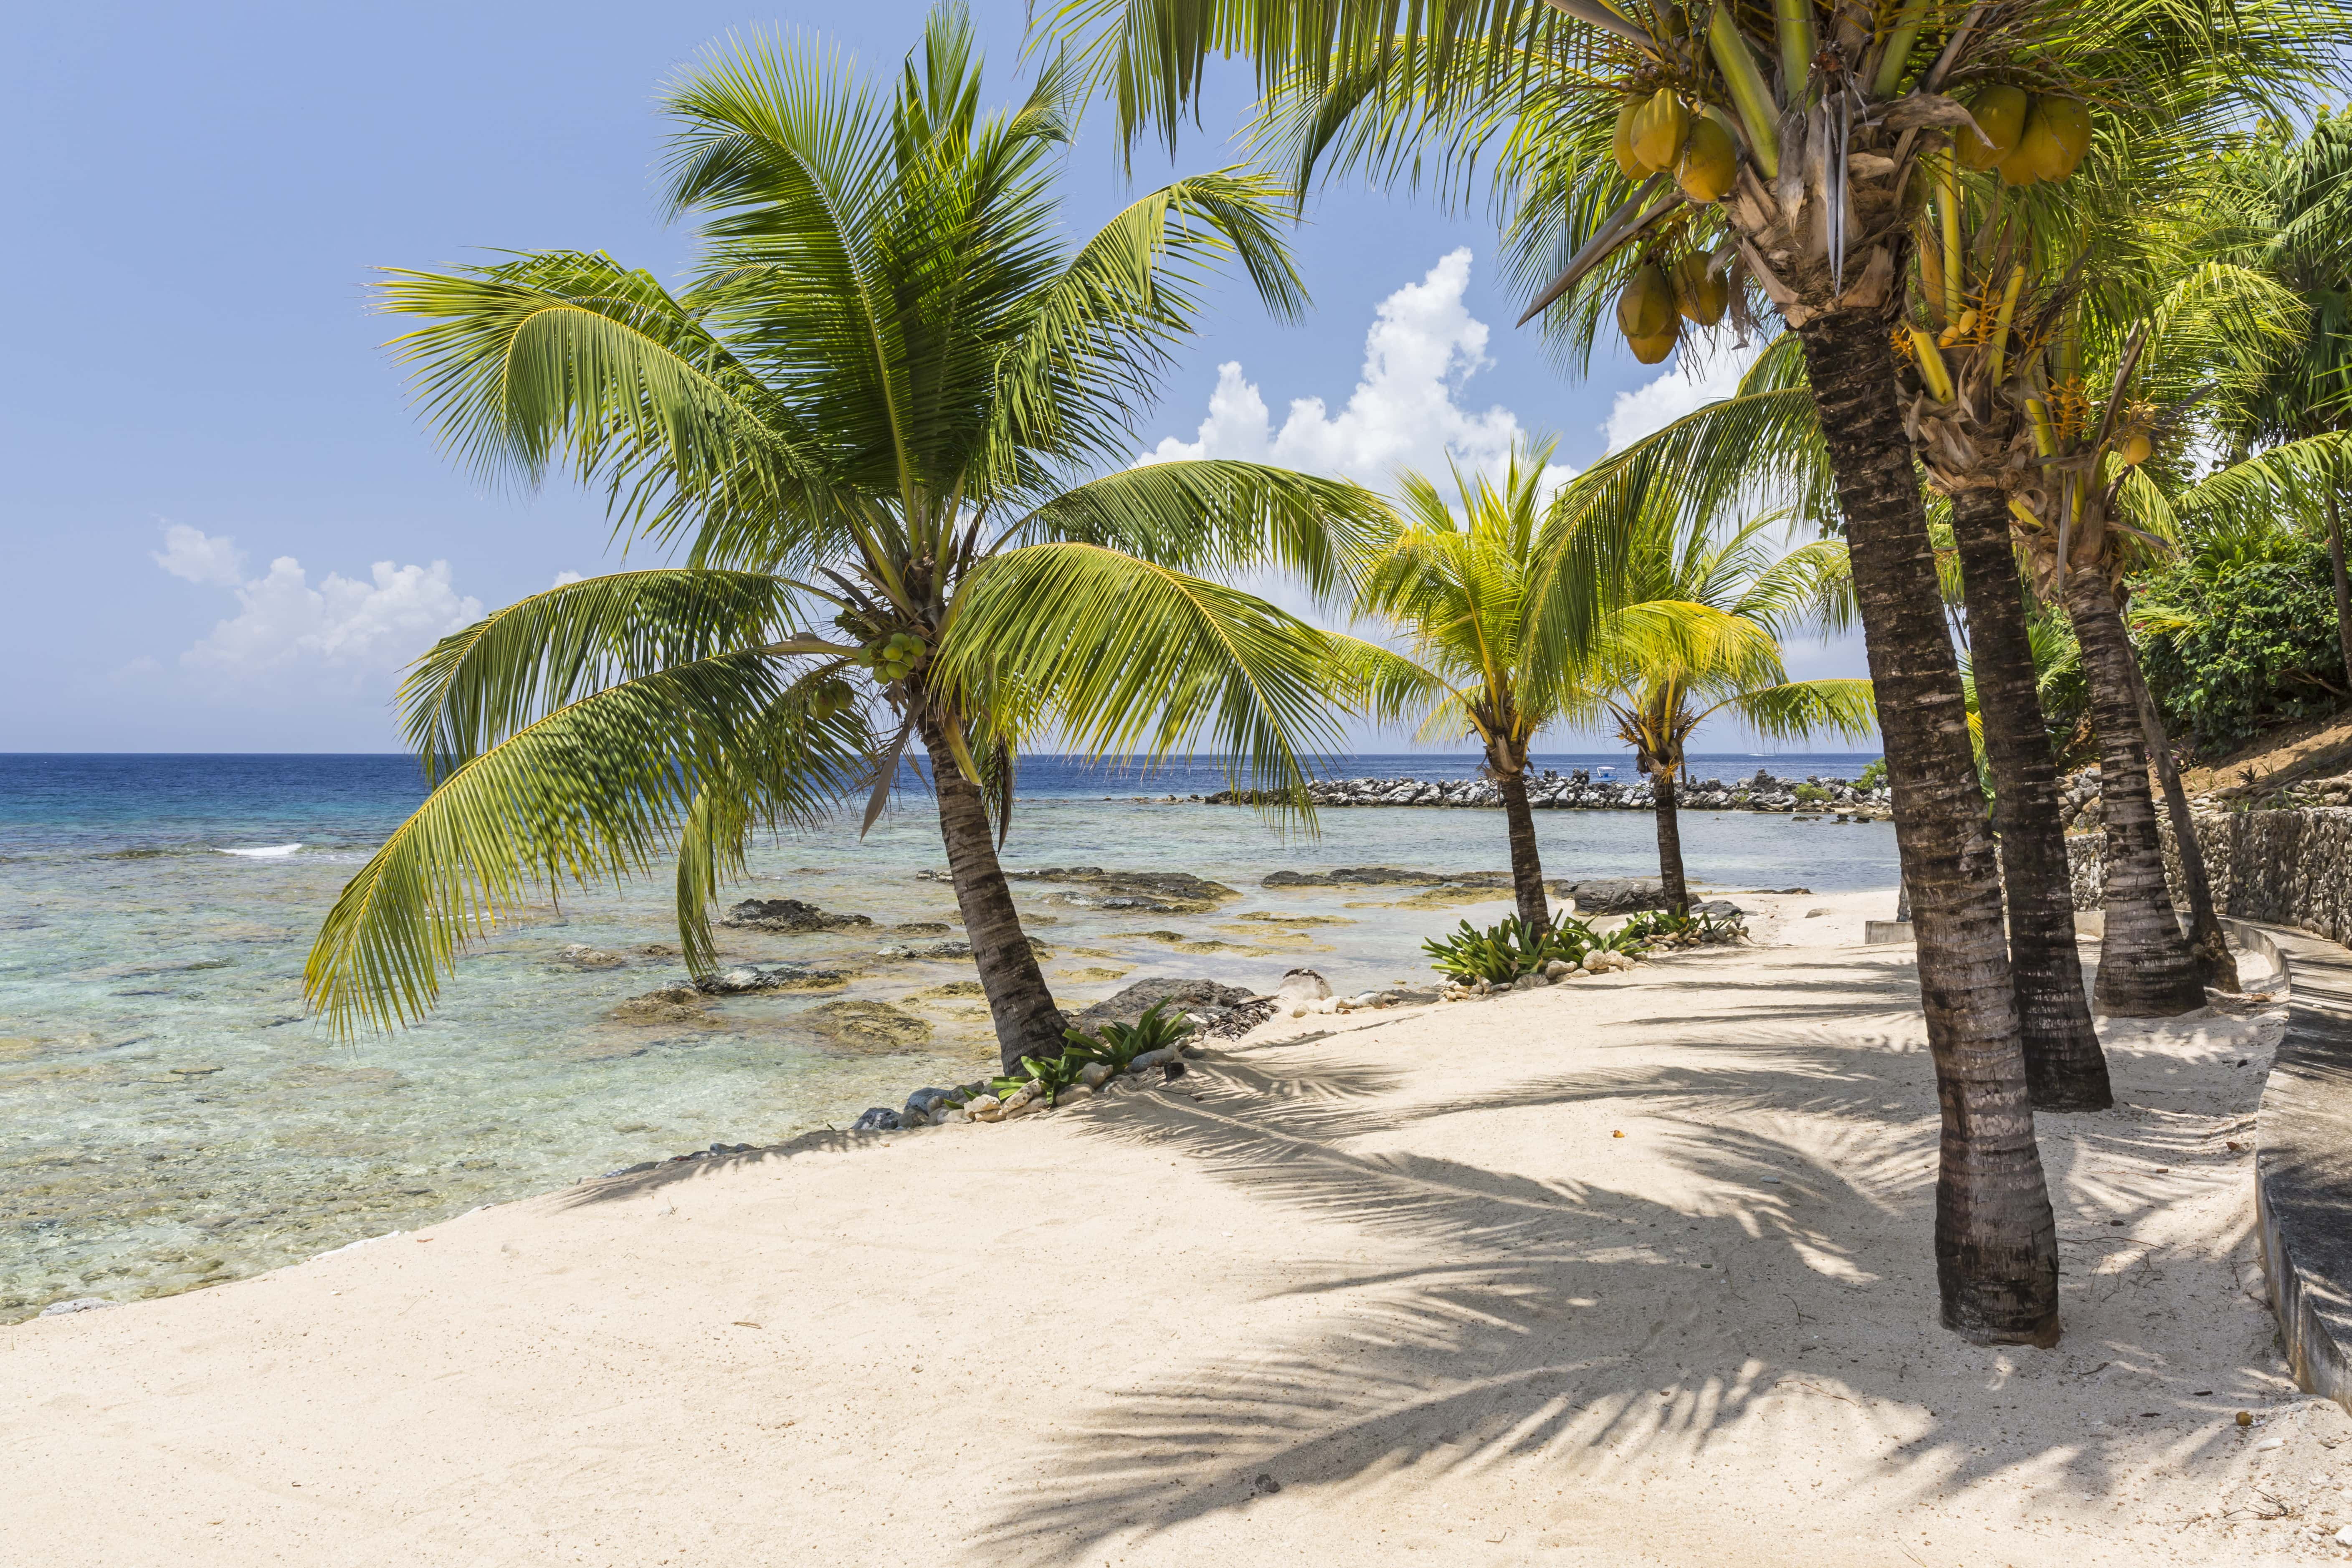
[
  {"x": 744, "y": 979},
  {"x": 580, "y": 955},
  {"x": 670, "y": 1005},
  {"x": 875, "y": 1027},
  {"x": 788, "y": 915},
  {"x": 1168, "y": 892},
  {"x": 879, "y": 1119}
]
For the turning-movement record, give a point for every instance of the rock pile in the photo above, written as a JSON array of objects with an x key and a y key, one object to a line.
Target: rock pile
[
  {"x": 1093, "y": 888},
  {"x": 788, "y": 916},
  {"x": 1578, "y": 791}
]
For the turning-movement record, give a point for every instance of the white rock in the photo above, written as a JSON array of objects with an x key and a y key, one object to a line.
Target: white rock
[
  {"x": 1150, "y": 1059},
  {"x": 2344, "y": 1536},
  {"x": 980, "y": 1103},
  {"x": 1557, "y": 968},
  {"x": 1023, "y": 1108},
  {"x": 2267, "y": 1444},
  {"x": 1026, "y": 1094},
  {"x": 948, "y": 1114},
  {"x": 1094, "y": 1074},
  {"x": 1364, "y": 999},
  {"x": 1302, "y": 985}
]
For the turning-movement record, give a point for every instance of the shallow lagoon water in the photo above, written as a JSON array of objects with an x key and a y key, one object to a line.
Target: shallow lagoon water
[{"x": 174, "y": 1120}]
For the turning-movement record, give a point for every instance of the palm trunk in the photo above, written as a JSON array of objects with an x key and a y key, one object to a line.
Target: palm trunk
[
  {"x": 1027, "y": 1022},
  {"x": 2206, "y": 943},
  {"x": 2065, "y": 1067},
  {"x": 2145, "y": 967},
  {"x": 2343, "y": 584},
  {"x": 1996, "y": 1242},
  {"x": 1526, "y": 865},
  {"x": 1670, "y": 845}
]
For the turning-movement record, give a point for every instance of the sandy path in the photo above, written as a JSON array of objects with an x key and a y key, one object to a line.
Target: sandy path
[{"x": 1404, "y": 1271}]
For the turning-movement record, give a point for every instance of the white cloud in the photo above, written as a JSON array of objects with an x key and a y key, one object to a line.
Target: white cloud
[
  {"x": 211, "y": 560},
  {"x": 343, "y": 624},
  {"x": 1674, "y": 393},
  {"x": 1421, "y": 350},
  {"x": 568, "y": 576}
]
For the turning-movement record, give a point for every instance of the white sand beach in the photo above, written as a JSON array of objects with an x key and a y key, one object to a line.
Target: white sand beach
[{"x": 1634, "y": 1270}]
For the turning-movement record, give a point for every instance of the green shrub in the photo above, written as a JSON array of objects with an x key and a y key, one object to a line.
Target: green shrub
[
  {"x": 1501, "y": 953},
  {"x": 1664, "y": 928},
  {"x": 1873, "y": 776},
  {"x": 2239, "y": 652},
  {"x": 1116, "y": 1044},
  {"x": 1810, "y": 794}
]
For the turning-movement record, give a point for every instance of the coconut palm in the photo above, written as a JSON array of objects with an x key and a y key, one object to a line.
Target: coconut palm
[
  {"x": 1455, "y": 580},
  {"x": 1659, "y": 694},
  {"x": 2294, "y": 213},
  {"x": 867, "y": 418}
]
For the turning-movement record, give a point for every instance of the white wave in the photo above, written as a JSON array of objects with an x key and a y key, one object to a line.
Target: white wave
[{"x": 266, "y": 852}]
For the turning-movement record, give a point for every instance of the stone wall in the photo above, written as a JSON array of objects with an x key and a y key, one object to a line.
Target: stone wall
[{"x": 2289, "y": 867}]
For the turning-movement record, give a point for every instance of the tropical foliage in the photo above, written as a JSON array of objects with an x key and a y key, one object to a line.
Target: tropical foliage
[{"x": 867, "y": 421}]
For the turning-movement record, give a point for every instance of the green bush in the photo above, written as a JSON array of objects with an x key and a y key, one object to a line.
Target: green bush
[
  {"x": 1664, "y": 928},
  {"x": 2244, "y": 650},
  {"x": 1500, "y": 954},
  {"x": 1873, "y": 776},
  {"x": 1116, "y": 1044},
  {"x": 1810, "y": 794}
]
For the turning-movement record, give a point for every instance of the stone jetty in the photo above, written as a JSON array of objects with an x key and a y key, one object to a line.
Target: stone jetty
[{"x": 1577, "y": 789}]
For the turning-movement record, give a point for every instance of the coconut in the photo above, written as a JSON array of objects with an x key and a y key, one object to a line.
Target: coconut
[
  {"x": 2135, "y": 447},
  {"x": 1658, "y": 129},
  {"x": 1646, "y": 308},
  {"x": 1709, "y": 163},
  {"x": 1634, "y": 169},
  {"x": 2017, "y": 169},
  {"x": 2057, "y": 133},
  {"x": 1651, "y": 350},
  {"x": 1700, "y": 294},
  {"x": 2001, "y": 114}
]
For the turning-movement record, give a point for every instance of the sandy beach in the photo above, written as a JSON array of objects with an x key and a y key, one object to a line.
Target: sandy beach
[{"x": 1634, "y": 1270}]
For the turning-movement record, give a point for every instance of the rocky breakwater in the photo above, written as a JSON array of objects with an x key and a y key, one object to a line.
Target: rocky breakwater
[
  {"x": 1590, "y": 896},
  {"x": 1577, "y": 789}
]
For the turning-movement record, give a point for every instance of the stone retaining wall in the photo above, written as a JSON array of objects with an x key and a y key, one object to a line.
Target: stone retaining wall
[{"x": 2288, "y": 868}]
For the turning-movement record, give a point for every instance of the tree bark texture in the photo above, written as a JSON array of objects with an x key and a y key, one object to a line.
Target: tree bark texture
[
  {"x": 2145, "y": 967},
  {"x": 2065, "y": 1067},
  {"x": 1670, "y": 845},
  {"x": 1996, "y": 1242},
  {"x": 2209, "y": 945},
  {"x": 1027, "y": 1022},
  {"x": 1526, "y": 864},
  {"x": 2343, "y": 583}
]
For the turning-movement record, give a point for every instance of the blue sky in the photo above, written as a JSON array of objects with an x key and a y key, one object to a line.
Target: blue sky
[{"x": 224, "y": 526}]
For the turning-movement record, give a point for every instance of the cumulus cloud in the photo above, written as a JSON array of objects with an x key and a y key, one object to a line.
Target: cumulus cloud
[
  {"x": 568, "y": 576},
  {"x": 211, "y": 560},
  {"x": 1677, "y": 392},
  {"x": 1405, "y": 412},
  {"x": 358, "y": 627}
]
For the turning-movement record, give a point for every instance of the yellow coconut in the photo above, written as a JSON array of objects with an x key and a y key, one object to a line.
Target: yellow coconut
[
  {"x": 2057, "y": 133},
  {"x": 1710, "y": 160},
  {"x": 1658, "y": 129},
  {"x": 1646, "y": 308},
  {"x": 2000, "y": 113},
  {"x": 1699, "y": 293},
  {"x": 1651, "y": 350},
  {"x": 2135, "y": 447},
  {"x": 2017, "y": 169},
  {"x": 1634, "y": 169}
]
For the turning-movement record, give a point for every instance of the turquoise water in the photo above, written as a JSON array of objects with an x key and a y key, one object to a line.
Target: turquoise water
[{"x": 175, "y": 1120}]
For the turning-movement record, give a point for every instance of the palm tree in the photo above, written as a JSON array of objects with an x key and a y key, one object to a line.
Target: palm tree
[
  {"x": 867, "y": 417},
  {"x": 1458, "y": 587},
  {"x": 2295, "y": 226},
  {"x": 1659, "y": 695}
]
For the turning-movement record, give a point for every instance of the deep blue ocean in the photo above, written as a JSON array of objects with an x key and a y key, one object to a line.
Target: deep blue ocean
[{"x": 174, "y": 1117}]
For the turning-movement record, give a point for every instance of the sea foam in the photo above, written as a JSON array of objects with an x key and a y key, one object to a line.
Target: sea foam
[{"x": 266, "y": 852}]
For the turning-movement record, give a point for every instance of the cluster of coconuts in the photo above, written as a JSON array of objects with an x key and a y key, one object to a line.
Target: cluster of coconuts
[
  {"x": 830, "y": 700},
  {"x": 893, "y": 658},
  {"x": 2029, "y": 137},
  {"x": 1660, "y": 135},
  {"x": 1657, "y": 300}
]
